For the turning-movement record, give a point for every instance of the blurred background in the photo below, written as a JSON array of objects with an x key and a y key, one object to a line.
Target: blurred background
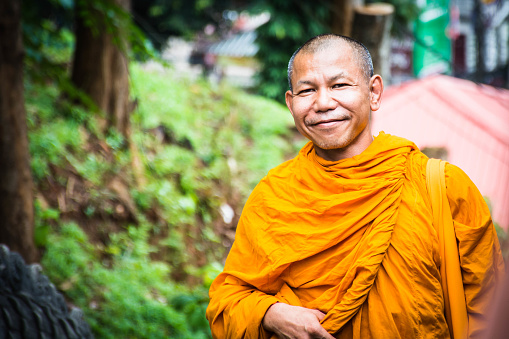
[{"x": 133, "y": 131}]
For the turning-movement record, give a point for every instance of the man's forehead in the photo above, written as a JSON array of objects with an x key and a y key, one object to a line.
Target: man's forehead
[
  {"x": 334, "y": 75},
  {"x": 335, "y": 57},
  {"x": 334, "y": 46}
]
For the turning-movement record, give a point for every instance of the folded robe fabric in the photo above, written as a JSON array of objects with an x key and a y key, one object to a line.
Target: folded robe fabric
[{"x": 354, "y": 239}]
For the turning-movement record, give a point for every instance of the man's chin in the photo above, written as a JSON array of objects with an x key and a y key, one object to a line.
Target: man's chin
[{"x": 330, "y": 146}]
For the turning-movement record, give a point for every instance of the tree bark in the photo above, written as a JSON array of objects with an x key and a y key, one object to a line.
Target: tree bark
[
  {"x": 16, "y": 195},
  {"x": 100, "y": 66},
  {"x": 371, "y": 26},
  {"x": 342, "y": 17}
]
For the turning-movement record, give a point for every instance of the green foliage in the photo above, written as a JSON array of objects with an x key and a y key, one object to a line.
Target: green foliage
[
  {"x": 46, "y": 42},
  {"x": 128, "y": 295},
  {"x": 198, "y": 146},
  {"x": 214, "y": 133},
  {"x": 201, "y": 146},
  {"x": 50, "y": 130},
  {"x": 92, "y": 168},
  {"x": 48, "y": 49},
  {"x": 43, "y": 218}
]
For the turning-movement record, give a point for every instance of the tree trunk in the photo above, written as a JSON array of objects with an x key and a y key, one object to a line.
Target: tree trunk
[
  {"x": 342, "y": 17},
  {"x": 119, "y": 97},
  {"x": 100, "y": 66},
  {"x": 16, "y": 195},
  {"x": 371, "y": 26}
]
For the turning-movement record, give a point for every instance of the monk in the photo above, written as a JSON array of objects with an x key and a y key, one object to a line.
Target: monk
[{"x": 339, "y": 242}]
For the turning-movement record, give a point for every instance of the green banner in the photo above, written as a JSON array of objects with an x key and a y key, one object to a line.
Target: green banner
[{"x": 432, "y": 47}]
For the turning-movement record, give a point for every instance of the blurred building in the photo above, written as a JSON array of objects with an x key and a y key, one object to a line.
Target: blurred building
[
  {"x": 232, "y": 57},
  {"x": 480, "y": 40},
  {"x": 468, "y": 39}
]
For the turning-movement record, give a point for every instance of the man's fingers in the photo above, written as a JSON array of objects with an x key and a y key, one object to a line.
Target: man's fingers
[
  {"x": 315, "y": 330},
  {"x": 325, "y": 335},
  {"x": 321, "y": 333},
  {"x": 320, "y": 315}
]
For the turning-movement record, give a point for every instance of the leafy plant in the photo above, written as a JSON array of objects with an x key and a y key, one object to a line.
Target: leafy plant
[
  {"x": 193, "y": 148},
  {"x": 129, "y": 297}
]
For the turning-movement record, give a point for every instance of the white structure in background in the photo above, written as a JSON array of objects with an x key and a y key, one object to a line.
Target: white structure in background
[
  {"x": 177, "y": 53},
  {"x": 232, "y": 58},
  {"x": 235, "y": 54}
]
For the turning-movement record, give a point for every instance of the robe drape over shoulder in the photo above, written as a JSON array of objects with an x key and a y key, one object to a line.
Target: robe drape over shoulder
[{"x": 355, "y": 240}]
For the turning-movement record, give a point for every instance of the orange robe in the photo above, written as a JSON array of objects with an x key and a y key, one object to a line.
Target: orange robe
[{"x": 354, "y": 239}]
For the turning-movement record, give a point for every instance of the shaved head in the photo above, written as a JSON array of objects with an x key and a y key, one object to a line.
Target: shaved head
[{"x": 326, "y": 41}]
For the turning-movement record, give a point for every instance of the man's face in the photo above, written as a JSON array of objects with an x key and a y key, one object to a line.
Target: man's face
[{"x": 332, "y": 101}]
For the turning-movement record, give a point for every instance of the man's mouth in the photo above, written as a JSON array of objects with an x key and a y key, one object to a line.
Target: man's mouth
[{"x": 329, "y": 122}]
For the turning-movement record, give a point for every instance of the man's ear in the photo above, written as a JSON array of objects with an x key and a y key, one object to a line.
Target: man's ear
[
  {"x": 376, "y": 88},
  {"x": 289, "y": 99}
]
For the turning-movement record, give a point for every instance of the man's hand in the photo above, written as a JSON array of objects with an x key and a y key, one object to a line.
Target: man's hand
[{"x": 294, "y": 322}]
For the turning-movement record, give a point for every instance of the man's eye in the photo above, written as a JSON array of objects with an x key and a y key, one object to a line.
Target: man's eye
[
  {"x": 305, "y": 91},
  {"x": 339, "y": 85}
]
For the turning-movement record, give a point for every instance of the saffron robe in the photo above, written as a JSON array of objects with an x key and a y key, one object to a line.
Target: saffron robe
[{"x": 355, "y": 240}]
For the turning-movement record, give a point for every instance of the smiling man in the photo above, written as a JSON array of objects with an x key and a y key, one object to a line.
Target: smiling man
[{"x": 338, "y": 242}]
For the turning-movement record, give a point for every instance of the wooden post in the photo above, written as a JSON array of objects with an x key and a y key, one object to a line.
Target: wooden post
[
  {"x": 342, "y": 15},
  {"x": 371, "y": 26}
]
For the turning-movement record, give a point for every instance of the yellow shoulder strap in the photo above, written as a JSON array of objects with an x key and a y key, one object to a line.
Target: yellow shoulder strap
[{"x": 450, "y": 271}]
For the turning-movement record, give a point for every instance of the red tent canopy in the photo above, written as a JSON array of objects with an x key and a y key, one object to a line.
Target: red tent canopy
[{"x": 469, "y": 120}]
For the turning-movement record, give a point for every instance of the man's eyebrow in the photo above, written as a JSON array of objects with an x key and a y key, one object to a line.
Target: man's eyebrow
[
  {"x": 340, "y": 75},
  {"x": 305, "y": 82},
  {"x": 337, "y": 76}
]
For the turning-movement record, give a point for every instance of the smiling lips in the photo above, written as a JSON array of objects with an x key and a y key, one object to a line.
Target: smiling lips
[{"x": 325, "y": 123}]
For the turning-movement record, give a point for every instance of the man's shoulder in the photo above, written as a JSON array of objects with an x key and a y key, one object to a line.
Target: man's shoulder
[
  {"x": 418, "y": 161},
  {"x": 457, "y": 180},
  {"x": 452, "y": 171},
  {"x": 456, "y": 177}
]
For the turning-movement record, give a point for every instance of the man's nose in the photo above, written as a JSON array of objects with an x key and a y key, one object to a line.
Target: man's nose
[{"x": 324, "y": 101}]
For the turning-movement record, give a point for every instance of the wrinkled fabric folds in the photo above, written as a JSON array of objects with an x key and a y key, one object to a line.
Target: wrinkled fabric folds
[{"x": 353, "y": 239}]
